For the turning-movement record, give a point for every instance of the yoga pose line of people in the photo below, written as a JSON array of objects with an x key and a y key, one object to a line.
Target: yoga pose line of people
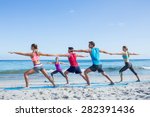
[
  {"x": 35, "y": 56},
  {"x": 74, "y": 66}
]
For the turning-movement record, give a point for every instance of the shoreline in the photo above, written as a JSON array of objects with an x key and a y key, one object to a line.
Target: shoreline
[{"x": 131, "y": 91}]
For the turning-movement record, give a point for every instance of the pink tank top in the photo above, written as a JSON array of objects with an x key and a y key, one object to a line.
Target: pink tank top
[
  {"x": 73, "y": 60},
  {"x": 35, "y": 57}
]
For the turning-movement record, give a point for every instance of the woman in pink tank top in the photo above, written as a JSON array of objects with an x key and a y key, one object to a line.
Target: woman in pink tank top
[{"x": 38, "y": 67}]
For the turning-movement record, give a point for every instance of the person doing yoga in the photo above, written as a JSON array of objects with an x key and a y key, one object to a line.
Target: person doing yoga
[
  {"x": 128, "y": 65},
  {"x": 38, "y": 67}
]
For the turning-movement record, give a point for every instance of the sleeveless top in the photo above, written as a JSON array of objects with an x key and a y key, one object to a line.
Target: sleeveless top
[
  {"x": 73, "y": 60},
  {"x": 35, "y": 57},
  {"x": 95, "y": 56},
  {"x": 58, "y": 68},
  {"x": 126, "y": 57}
]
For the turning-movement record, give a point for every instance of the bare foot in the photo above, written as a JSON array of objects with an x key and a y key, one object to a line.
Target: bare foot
[
  {"x": 67, "y": 84},
  {"x": 27, "y": 87},
  {"x": 138, "y": 81},
  {"x": 111, "y": 83}
]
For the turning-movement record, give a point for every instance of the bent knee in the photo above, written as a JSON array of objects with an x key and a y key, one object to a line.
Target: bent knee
[
  {"x": 25, "y": 73},
  {"x": 66, "y": 72},
  {"x": 85, "y": 72}
]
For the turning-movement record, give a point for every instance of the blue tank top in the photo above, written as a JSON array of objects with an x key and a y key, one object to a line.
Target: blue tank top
[
  {"x": 126, "y": 57},
  {"x": 95, "y": 56}
]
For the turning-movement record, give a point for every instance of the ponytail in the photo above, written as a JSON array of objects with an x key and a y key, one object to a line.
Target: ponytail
[
  {"x": 35, "y": 46},
  {"x": 125, "y": 47}
]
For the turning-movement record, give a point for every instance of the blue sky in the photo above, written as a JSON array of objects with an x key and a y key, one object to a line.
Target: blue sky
[{"x": 56, "y": 24}]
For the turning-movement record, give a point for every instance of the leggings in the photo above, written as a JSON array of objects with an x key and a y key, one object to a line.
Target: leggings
[
  {"x": 127, "y": 66},
  {"x": 55, "y": 72}
]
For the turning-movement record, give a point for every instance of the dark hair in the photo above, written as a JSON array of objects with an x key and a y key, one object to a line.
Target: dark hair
[
  {"x": 71, "y": 49},
  {"x": 92, "y": 43},
  {"x": 35, "y": 46}
]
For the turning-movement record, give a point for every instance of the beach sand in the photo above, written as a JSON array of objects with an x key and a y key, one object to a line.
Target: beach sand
[{"x": 131, "y": 91}]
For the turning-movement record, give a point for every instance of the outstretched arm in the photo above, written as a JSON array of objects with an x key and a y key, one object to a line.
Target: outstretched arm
[
  {"x": 64, "y": 63},
  {"x": 62, "y": 55},
  {"x": 123, "y": 53},
  {"x": 102, "y": 51},
  {"x": 50, "y": 62},
  {"x": 133, "y": 53},
  {"x": 21, "y": 53},
  {"x": 120, "y": 53},
  {"x": 82, "y": 56},
  {"x": 86, "y": 51},
  {"x": 42, "y": 54}
]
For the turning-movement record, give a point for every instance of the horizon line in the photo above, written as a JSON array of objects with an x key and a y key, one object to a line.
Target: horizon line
[{"x": 67, "y": 59}]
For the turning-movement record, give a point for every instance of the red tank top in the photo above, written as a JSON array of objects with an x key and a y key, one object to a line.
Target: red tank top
[{"x": 73, "y": 60}]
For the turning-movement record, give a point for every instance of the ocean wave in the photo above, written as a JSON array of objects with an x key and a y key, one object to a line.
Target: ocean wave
[
  {"x": 146, "y": 68},
  {"x": 12, "y": 71}
]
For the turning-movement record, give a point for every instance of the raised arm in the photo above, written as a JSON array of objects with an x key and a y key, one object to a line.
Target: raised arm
[
  {"x": 123, "y": 53},
  {"x": 63, "y": 63},
  {"x": 86, "y": 51},
  {"x": 42, "y": 54},
  {"x": 133, "y": 53},
  {"x": 120, "y": 53},
  {"x": 82, "y": 56},
  {"x": 50, "y": 62},
  {"x": 102, "y": 51},
  {"x": 21, "y": 53},
  {"x": 62, "y": 55}
]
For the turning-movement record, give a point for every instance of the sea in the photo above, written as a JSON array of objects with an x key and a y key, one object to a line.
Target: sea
[{"x": 14, "y": 69}]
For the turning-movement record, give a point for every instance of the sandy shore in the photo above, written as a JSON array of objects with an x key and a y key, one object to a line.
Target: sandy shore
[{"x": 131, "y": 91}]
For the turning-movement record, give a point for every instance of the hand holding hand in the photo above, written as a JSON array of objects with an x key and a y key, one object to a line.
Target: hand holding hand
[{"x": 11, "y": 52}]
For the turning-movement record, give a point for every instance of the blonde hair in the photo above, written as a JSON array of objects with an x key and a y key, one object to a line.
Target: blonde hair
[{"x": 125, "y": 47}]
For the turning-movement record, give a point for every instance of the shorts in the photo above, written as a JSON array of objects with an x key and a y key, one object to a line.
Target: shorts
[
  {"x": 95, "y": 68},
  {"x": 76, "y": 70},
  {"x": 38, "y": 68}
]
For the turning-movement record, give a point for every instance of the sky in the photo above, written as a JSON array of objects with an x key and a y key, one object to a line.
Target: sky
[{"x": 57, "y": 24}]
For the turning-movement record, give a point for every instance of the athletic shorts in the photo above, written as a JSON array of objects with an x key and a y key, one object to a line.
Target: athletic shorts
[
  {"x": 95, "y": 68},
  {"x": 38, "y": 68},
  {"x": 76, "y": 70}
]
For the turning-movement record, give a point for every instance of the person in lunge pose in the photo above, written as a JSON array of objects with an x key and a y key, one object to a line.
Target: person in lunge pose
[
  {"x": 97, "y": 65},
  {"x": 35, "y": 56},
  {"x": 58, "y": 67},
  {"x": 74, "y": 66},
  {"x": 128, "y": 65}
]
